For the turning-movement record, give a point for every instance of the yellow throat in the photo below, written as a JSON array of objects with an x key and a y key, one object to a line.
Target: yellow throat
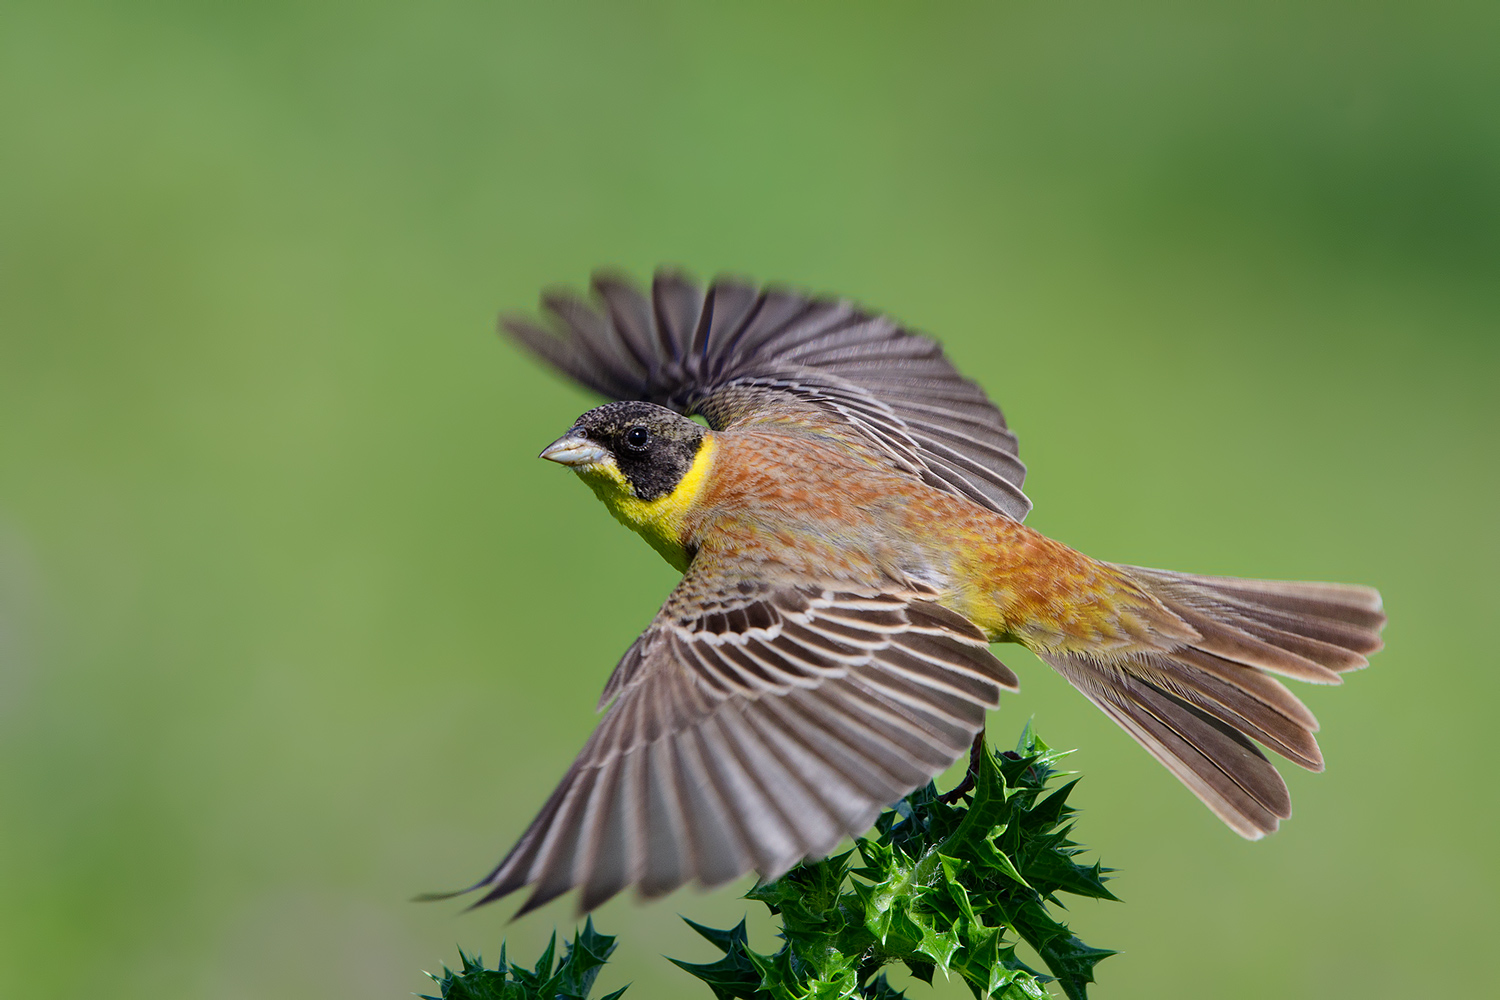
[{"x": 659, "y": 521}]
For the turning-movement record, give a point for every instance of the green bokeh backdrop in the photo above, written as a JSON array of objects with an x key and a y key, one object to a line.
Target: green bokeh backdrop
[{"x": 293, "y": 625}]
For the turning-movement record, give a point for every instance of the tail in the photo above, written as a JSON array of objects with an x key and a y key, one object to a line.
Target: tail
[{"x": 1202, "y": 706}]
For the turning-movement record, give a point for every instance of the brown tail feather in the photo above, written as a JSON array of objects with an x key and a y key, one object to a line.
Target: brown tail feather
[
  {"x": 1217, "y": 763},
  {"x": 1198, "y": 706},
  {"x": 1342, "y": 602}
]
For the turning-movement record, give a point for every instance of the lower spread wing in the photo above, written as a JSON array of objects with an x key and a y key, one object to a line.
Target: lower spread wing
[{"x": 751, "y": 726}]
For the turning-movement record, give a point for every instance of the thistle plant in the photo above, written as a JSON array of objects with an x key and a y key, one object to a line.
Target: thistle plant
[
  {"x": 571, "y": 978},
  {"x": 950, "y": 883}
]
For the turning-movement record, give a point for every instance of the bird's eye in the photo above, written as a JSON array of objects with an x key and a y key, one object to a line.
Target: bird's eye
[{"x": 637, "y": 438}]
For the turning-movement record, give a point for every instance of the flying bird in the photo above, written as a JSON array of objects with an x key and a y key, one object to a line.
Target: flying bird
[{"x": 849, "y": 529}]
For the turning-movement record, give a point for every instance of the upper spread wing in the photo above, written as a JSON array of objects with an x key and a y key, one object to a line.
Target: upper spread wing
[
  {"x": 730, "y": 351},
  {"x": 753, "y": 725}
]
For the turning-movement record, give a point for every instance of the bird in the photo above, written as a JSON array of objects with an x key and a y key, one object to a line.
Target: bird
[{"x": 847, "y": 513}]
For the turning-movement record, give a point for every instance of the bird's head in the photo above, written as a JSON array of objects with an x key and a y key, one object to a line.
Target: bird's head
[{"x": 647, "y": 464}]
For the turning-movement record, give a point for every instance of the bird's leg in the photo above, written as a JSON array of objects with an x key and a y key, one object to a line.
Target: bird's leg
[{"x": 957, "y": 792}]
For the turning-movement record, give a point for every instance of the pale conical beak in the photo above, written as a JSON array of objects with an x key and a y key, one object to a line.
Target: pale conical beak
[{"x": 574, "y": 452}]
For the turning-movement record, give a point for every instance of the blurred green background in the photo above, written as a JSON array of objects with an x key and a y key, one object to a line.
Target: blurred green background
[{"x": 296, "y": 626}]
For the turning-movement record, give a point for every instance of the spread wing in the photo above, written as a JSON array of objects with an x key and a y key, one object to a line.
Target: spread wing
[
  {"x": 751, "y": 726},
  {"x": 733, "y": 350}
]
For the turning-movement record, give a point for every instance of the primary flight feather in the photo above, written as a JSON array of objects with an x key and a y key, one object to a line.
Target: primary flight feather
[{"x": 849, "y": 530}]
